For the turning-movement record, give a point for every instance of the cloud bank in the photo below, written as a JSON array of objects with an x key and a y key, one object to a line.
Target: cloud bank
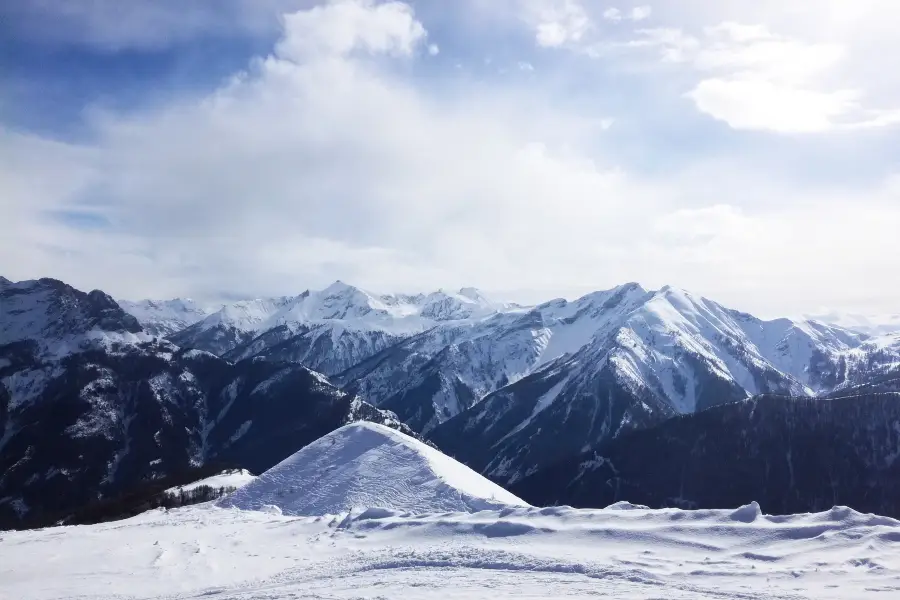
[{"x": 355, "y": 151}]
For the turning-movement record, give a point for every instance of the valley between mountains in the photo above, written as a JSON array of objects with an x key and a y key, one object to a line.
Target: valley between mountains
[{"x": 659, "y": 397}]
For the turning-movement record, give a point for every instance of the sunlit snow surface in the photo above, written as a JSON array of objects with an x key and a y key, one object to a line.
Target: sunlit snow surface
[
  {"x": 209, "y": 552},
  {"x": 365, "y": 465}
]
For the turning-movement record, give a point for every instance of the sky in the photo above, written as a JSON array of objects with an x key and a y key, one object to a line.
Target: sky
[{"x": 746, "y": 151}]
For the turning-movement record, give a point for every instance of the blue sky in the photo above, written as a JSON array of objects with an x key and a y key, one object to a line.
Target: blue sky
[{"x": 533, "y": 148}]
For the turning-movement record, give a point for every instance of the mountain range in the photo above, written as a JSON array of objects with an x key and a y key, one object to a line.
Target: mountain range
[{"x": 97, "y": 394}]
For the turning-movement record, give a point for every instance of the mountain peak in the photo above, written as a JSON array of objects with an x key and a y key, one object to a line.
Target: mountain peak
[
  {"x": 48, "y": 310},
  {"x": 339, "y": 287}
]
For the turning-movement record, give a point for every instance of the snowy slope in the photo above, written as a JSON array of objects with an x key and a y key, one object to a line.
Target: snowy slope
[
  {"x": 623, "y": 552},
  {"x": 165, "y": 317},
  {"x": 367, "y": 465},
  {"x": 436, "y": 375},
  {"x": 226, "y": 479}
]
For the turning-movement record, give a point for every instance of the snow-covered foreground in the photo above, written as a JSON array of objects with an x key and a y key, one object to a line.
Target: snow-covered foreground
[{"x": 210, "y": 552}]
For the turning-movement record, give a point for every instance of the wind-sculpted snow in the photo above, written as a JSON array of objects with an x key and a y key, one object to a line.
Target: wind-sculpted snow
[
  {"x": 365, "y": 465},
  {"x": 636, "y": 554}
]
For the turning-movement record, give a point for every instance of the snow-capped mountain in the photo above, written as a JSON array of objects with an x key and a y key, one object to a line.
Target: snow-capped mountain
[
  {"x": 55, "y": 318},
  {"x": 429, "y": 357},
  {"x": 330, "y": 330},
  {"x": 667, "y": 353},
  {"x": 165, "y": 317},
  {"x": 435, "y": 375},
  {"x": 506, "y": 389},
  {"x": 685, "y": 351}
]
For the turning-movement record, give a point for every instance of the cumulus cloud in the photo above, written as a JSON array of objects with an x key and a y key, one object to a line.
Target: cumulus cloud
[
  {"x": 639, "y": 13},
  {"x": 752, "y": 78},
  {"x": 558, "y": 22},
  {"x": 343, "y": 26},
  {"x": 612, "y": 14}
]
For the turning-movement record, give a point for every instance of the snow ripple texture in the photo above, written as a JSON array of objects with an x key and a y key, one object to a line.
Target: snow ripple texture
[
  {"x": 366, "y": 465},
  {"x": 208, "y": 552}
]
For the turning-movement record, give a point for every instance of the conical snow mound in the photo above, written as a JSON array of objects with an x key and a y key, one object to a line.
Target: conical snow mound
[{"x": 366, "y": 465}]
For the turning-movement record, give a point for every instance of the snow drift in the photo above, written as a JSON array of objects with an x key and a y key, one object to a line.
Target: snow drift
[
  {"x": 206, "y": 552},
  {"x": 366, "y": 465}
]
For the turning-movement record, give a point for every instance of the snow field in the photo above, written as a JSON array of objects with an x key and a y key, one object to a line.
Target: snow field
[{"x": 206, "y": 551}]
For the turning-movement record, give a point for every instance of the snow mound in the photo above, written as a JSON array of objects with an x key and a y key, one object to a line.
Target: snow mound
[{"x": 366, "y": 465}]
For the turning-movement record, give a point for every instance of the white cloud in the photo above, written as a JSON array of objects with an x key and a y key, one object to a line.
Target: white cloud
[
  {"x": 612, "y": 14},
  {"x": 751, "y": 103},
  {"x": 347, "y": 25},
  {"x": 754, "y": 79},
  {"x": 317, "y": 163},
  {"x": 639, "y": 13},
  {"x": 433, "y": 49},
  {"x": 558, "y": 22}
]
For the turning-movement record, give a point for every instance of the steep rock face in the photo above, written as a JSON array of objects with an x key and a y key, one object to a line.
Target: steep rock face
[
  {"x": 789, "y": 454},
  {"x": 52, "y": 314},
  {"x": 544, "y": 418},
  {"x": 324, "y": 348}
]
